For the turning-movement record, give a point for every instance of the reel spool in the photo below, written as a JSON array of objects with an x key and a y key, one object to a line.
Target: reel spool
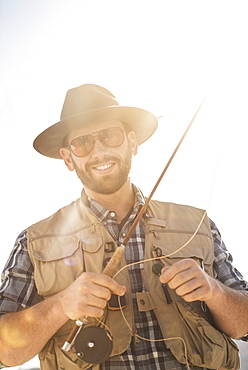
[{"x": 93, "y": 344}]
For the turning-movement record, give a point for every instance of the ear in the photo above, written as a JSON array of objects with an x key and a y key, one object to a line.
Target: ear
[
  {"x": 133, "y": 142},
  {"x": 66, "y": 155}
]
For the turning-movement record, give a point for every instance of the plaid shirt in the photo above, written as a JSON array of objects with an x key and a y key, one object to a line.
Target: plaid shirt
[{"x": 18, "y": 290}]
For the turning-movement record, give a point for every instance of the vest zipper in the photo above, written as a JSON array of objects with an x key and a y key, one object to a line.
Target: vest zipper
[{"x": 168, "y": 231}]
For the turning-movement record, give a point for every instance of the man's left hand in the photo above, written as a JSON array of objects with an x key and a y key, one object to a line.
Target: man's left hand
[{"x": 189, "y": 280}]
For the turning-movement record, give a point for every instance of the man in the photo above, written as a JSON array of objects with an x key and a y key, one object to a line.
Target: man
[{"x": 181, "y": 312}]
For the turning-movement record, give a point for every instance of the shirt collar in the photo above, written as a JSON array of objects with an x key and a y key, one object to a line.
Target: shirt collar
[{"x": 103, "y": 213}]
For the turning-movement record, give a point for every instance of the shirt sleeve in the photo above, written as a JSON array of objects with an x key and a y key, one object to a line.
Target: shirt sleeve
[
  {"x": 18, "y": 289},
  {"x": 224, "y": 270}
]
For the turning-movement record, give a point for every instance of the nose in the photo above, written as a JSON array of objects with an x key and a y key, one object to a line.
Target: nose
[{"x": 98, "y": 148}]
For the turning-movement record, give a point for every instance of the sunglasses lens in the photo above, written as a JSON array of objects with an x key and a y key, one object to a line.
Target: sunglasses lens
[
  {"x": 82, "y": 145},
  {"x": 112, "y": 136}
]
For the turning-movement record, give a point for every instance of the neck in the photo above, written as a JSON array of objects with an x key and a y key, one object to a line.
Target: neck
[{"x": 120, "y": 202}]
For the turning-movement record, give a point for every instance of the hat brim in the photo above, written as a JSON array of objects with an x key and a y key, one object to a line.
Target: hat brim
[{"x": 142, "y": 122}]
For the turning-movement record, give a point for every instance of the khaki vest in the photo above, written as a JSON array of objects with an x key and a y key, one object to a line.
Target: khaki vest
[{"x": 73, "y": 240}]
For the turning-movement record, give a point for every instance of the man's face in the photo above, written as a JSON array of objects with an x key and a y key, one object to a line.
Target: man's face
[{"x": 104, "y": 169}]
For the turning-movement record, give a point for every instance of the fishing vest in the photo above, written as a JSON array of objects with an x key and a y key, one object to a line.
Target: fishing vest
[{"x": 73, "y": 240}]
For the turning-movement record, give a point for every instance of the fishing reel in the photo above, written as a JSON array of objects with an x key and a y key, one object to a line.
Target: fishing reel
[{"x": 93, "y": 344}]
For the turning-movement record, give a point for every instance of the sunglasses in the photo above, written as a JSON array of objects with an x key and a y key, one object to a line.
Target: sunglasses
[{"x": 82, "y": 145}]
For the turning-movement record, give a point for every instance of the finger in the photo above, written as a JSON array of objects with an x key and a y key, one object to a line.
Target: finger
[
  {"x": 164, "y": 269},
  {"x": 97, "y": 302},
  {"x": 103, "y": 281},
  {"x": 198, "y": 294},
  {"x": 110, "y": 284},
  {"x": 86, "y": 306},
  {"x": 189, "y": 287},
  {"x": 101, "y": 292},
  {"x": 185, "y": 278},
  {"x": 170, "y": 273},
  {"x": 90, "y": 311}
]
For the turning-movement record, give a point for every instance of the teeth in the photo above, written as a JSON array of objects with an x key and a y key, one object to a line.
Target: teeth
[{"x": 103, "y": 167}]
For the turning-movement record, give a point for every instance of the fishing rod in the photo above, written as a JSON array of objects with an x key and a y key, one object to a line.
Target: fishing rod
[{"x": 95, "y": 345}]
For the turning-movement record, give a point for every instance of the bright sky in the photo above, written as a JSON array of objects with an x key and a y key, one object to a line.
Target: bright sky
[{"x": 164, "y": 56}]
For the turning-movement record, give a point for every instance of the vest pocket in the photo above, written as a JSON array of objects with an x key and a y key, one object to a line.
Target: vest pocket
[
  {"x": 56, "y": 265},
  {"x": 176, "y": 247},
  {"x": 227, "y": 354},
  {"x": 53, "y": 357},
  {"x": 204, "y": 345},
  {"x": 93, "y": 253},
  {"x": 205, "y": 262}
]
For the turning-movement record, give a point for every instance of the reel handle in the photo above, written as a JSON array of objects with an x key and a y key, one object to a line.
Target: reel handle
[
  {"x": 73, "y": 334},
  {"x": 109, "y": 270}
]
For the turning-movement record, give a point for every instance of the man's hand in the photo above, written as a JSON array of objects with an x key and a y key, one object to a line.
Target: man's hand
[
  {"x": 88, "y": 295},
  {"x": 228, "y": 306},
  {"x": 189, "y": 280}
]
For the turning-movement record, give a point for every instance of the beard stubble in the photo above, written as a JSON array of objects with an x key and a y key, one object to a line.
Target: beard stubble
[{"x": 107, "y": 184}]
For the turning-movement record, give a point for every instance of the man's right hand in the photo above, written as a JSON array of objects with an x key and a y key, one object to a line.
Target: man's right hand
[{"x": 88, "y": 295}]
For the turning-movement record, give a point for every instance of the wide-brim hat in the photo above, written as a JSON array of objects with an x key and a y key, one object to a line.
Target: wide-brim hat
[{"x": 87, "y": 104}]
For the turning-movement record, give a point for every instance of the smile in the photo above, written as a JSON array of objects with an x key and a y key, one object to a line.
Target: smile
[{"x": 104, "y": 167}]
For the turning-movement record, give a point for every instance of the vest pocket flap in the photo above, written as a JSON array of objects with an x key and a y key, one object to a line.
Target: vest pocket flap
[
  {"x": 61, "y": 251},
  {"x": 92, "y": 244},
  {"x": 190, "y": 251},
  {"x": 156, "y": 222},
  {"x": 193, "y": 252},
  {"x": 144, "y": 301}
]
